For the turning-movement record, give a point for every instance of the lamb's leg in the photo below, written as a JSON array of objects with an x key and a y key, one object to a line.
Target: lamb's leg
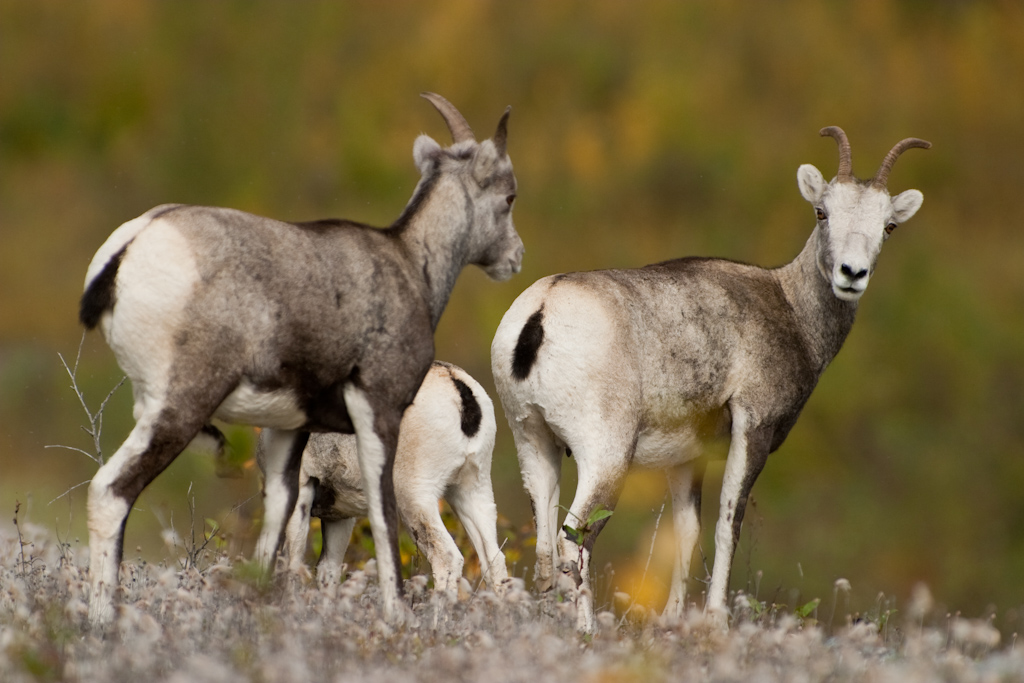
[
  {"x": 685, "y": 485},
  {"x": 423, "y": 519},
  {"x": 283, "y": 460},
  {"x": 160, "y": 434},
  {"x": 540, "y": 461},
  {"x": 472, "y": 499},
  {"x": 747, "y": 454},
  {"x": 376, "y": 425},
  {"x": 336, "y": 536},
  {"x": 297, "y": 532}
]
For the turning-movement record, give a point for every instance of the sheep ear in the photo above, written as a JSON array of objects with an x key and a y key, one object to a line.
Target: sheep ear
[
  {"x": 811, "y": 183},
  {"x": 485, "y": 159},
  {"x": 425, "y": 151},
  {"x": 906, "y": 204}
]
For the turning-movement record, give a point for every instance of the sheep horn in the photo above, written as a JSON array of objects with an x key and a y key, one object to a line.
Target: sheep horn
[
  {"x": 845, "y": 173},
  {"x": 501, "y": 135},
  {"x": 882, "y": 177},
  {"x": 456, "y": 122}
]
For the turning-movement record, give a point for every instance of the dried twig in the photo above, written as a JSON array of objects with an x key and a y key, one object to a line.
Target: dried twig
[
  {"x": 650, "y": 554},
  {"x": 95, "y": 427},
  {"x": 26, "y": 566}
]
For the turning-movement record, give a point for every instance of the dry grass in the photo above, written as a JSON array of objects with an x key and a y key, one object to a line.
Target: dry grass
[{"x": 222, "y": 624}]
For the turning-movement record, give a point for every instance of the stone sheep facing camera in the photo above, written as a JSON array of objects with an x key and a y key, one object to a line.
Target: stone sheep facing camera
[{"x": 638, "y": 368}]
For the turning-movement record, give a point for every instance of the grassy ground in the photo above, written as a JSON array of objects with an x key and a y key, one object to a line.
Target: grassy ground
[{"x": 218, "y": 624}]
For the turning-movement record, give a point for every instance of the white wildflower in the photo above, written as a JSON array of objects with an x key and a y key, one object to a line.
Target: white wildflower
[
  {"x": 975, "y": 632},
  {"x": 170, "y": 538},
  {"x": 921, "y": 602}
]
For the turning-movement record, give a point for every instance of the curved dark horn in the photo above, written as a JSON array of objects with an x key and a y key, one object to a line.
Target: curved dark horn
[
  {"x": 456, "y": 122},
  {"x": 501, "y": 135},
  {"x": 845, "y": 173},
  {"x": 882, "y": 177}
]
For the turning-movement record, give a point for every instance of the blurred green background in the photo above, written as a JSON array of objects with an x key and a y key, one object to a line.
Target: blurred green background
[{"x": 639, "y": 132}]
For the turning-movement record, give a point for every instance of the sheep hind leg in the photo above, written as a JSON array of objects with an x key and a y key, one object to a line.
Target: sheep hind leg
[
  {"x": 159, "y": 435},
  {"x": 540, "y": 461},
  {"x": 601, "y": 476},
  {"x": 473, "y": 502},
  {"x": 423, "y": 519}
]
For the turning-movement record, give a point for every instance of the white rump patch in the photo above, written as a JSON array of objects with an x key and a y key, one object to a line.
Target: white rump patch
[
  {"x": 275, "y": 409},
  {"x": 124, "y": 234}
]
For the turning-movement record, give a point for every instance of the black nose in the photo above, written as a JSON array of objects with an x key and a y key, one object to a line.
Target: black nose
[{"x": 849, "y": 272}]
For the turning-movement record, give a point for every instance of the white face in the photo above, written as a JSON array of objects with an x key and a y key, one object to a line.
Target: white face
[{"x": 854, "y": 221}]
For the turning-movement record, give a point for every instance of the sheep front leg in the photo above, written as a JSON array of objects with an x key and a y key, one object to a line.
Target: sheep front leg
[
  {"x": 685, "y": 484},
  {"x": 377, "y": 439},
  {"x": 747, "y": 454}
]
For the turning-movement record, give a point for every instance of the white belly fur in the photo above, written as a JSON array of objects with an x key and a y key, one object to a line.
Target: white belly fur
[
  {"x": 274, "y": 409},
  {"x": 660, "y": 450}
]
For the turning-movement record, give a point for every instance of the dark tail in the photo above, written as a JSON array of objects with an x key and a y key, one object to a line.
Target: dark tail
[
  {"x": 472, "y": 414},
  {"x": 530, "y": 339},
  {"x": 99, "y": 295}
]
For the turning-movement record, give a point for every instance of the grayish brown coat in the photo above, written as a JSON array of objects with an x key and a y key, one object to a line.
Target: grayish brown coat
[
  {"x": 302, "y": 327},
  {"x": 640, "y": 368}
]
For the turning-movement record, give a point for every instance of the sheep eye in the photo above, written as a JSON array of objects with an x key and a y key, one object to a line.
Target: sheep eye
[
  {"x": 889, "y": 228},
  {"x": 511, "y": 198},
  {"x": 820, "y": 213}
]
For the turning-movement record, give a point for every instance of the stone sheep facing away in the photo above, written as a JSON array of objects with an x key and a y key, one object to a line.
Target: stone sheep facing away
[
  {"x": 444, "y": 451},
  {"x": 321, "y": 326}
]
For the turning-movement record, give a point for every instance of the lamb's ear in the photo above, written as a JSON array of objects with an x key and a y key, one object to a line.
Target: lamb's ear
[
  {"x": 485, "y": 159},
  {"x": 906, "y": 204},
  {"x": 425, "y": 152},
  {"x": 812, "y": 184}
]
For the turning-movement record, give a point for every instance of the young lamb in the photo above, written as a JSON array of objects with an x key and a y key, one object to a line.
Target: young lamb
[
  {"x": 638, "y": 368},
  {"x": 444, "y": 450},
  {"x": 301, "y": 327}
]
